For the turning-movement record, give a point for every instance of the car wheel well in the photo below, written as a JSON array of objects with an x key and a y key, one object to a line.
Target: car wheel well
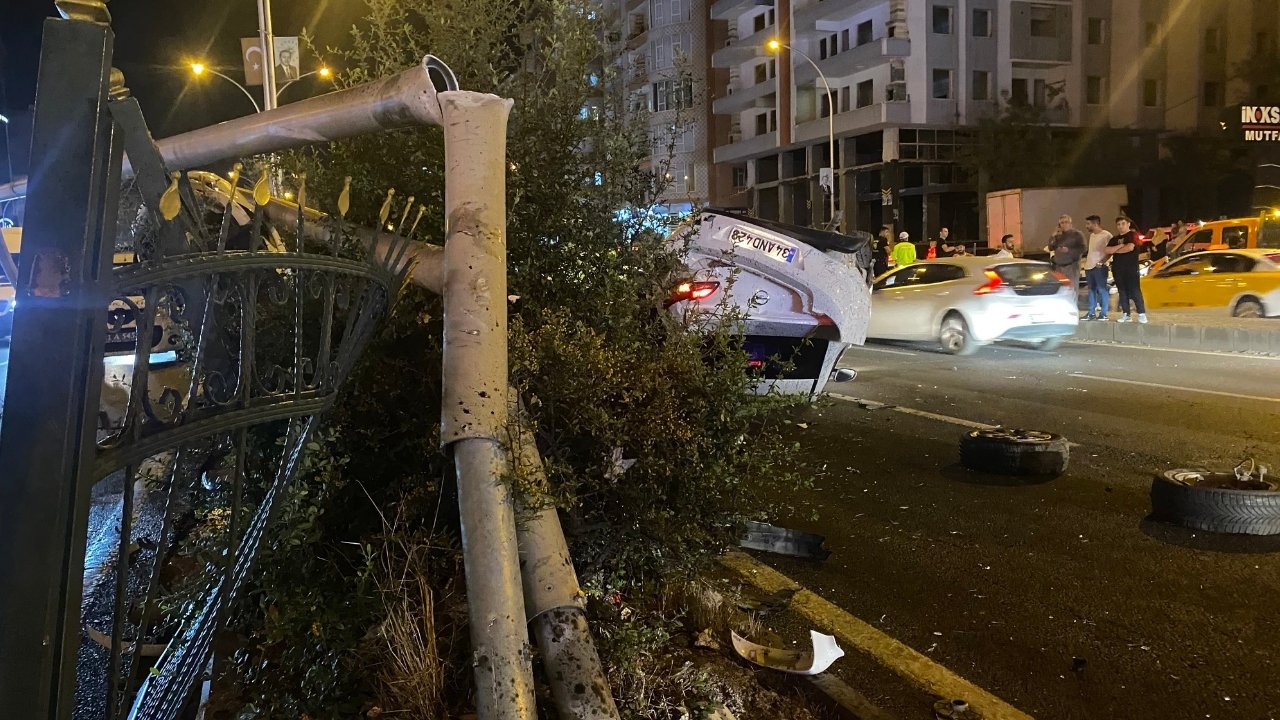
[{"x": 1248, "y": 298}]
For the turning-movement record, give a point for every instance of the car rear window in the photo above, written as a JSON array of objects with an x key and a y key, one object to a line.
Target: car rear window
[
  {"x": 1027, "y": 273},
  {"x": 1029, "y": 278}
]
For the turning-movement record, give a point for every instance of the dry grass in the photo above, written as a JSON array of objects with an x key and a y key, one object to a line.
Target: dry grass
[{"x": 414, "y": 675}]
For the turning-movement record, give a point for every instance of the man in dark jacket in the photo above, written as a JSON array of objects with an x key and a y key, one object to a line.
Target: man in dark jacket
[
  {"x": 1066, "y": 249},
  {"x": 880, "y": 257}
]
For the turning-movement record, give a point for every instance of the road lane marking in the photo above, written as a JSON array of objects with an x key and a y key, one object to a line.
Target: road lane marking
[
  {"x": 971, "y": 424},
  {"x": 1242, "y": 356},
  {"x": 852, "y": 632},
  {"x": 1219, "y": 393}
]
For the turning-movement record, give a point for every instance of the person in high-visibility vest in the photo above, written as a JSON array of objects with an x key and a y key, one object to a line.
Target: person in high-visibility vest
[{"x": 904, "y": 253}]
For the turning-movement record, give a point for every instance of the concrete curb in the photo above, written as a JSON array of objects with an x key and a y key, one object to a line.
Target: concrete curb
[{"x": 1205, "y": 338}]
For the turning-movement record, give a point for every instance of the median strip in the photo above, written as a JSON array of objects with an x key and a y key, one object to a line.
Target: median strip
[{"x": 854, "y": 633}]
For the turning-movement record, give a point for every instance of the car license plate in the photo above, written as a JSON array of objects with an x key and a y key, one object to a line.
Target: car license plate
[
  {"x": 129, "y": 336},
  {"x": 776, "y": 249}
]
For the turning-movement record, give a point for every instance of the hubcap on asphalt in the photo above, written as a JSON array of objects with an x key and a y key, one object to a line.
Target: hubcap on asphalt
[{"x": 1015, "y": 435}]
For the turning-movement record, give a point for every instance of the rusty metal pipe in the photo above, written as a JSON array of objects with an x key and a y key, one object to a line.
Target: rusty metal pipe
[{"x": 405, "y": 100}]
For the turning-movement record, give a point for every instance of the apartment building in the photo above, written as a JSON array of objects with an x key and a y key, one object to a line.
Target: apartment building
[
  {"x": 661, "y": 47},
  {"x": 908, "y": 77}
]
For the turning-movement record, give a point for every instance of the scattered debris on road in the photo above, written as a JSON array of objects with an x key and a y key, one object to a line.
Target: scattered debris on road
[
  {"x": 784, "y": 541},
  {"x": 799, "y": 662}
]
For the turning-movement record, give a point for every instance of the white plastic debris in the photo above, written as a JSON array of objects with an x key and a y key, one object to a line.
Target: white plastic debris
[{"x": 825, "y": 652}]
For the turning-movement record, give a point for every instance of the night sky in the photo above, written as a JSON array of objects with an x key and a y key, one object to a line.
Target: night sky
[{"x": 155, "y": 39}]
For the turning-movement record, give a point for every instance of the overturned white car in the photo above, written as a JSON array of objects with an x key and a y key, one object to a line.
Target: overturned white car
[{"x": 805, "y": 293}]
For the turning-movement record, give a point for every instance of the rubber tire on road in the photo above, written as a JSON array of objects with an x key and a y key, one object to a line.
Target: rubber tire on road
[
  {"x": 1218, "y": 510},
  {"x": 1247, "y": 308},
  {"x": 966, "y": 346},
  {"x": 1015, "y": 452}
]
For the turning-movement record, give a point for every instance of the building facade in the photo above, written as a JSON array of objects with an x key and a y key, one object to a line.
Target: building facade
[
  {"x": 907, "y": 78},
  {"x": 660, "y": 47}
]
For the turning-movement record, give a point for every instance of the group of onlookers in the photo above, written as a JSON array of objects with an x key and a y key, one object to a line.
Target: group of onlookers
[
  {"x": 1101, "y": 253},
  {"x": 889, "y": 253}
]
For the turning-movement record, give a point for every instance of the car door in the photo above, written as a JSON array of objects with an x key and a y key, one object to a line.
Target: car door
[
  {"x": 1176, "y": 284},
  {"x": 1230, "y": 276},
  {"x": 905, "y": 302}
]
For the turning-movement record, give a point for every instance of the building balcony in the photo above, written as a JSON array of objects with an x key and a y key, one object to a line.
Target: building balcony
[
  {"x": 857, "y": 59},
  {"x": 744, "y": 49},
  {"x": 756, "y": 146},
  {"x": 819, "y": 14},
  {"x": 637, "y": 39},
  {"x": 855, "y": 122},
  {"x": 758, "y": 95},
  {"x": 731, "y": 9}
]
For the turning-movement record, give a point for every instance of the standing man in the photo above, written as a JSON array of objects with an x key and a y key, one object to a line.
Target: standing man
[
  {"x": 1095, "y": 269},
  {"x": 880, "y": 256},
  {"x": 1123, "y": 249},
  {"x": 1066, "y": 249},
  {"x": 945, "y": 249},
  {"x": 904, "y": 253}
]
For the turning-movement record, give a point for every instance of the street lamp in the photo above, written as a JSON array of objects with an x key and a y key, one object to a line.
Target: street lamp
[
  {"x": 323, "y": 72},
  {"x": 199, "y": 68},
  {"x": 775, "y": 46}
]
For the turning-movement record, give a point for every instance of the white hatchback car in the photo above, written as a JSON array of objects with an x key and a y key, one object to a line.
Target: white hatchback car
[{"x": 967, "y": 302}]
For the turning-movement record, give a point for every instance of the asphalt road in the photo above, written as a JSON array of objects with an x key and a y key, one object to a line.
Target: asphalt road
[{"x": 1060, "y": 597}]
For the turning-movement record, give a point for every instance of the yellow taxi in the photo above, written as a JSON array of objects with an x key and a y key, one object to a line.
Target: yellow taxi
[
  {"x": 1245, "y": 281},
  {"x": 1262, "y": 231}
]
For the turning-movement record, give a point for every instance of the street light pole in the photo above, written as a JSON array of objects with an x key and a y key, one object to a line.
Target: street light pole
[
  {"x": 775, "y": 45},
  {"x": 268, "y": 55},
  {"x": 323, "y": 72},
  {"x": 200, "y": 69}
]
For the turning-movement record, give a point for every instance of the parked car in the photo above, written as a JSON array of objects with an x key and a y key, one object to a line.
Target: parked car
[
  {"x": 804, "y": 292},
  {"x": 965, "y": 303},
  {"x": 122, "y": 312},
  {"x": 1246, "y": 282}
]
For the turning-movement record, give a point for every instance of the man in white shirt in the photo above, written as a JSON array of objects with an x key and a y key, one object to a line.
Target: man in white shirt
[
  {"x": 1095, "y": 269},
  {"x": 1006, "y": 247}
]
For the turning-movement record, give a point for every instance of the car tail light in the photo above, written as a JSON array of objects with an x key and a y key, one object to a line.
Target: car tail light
[
  {"x": 693, "y": 291},
  {"x": 1062, "y": 279},
  {"x": 992, "y": 284},
  {"x": 1274, "y": 257}
]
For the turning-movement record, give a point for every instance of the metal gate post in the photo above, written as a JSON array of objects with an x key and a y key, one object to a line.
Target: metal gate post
[
  {"x": 474, "y": 410},
  {"x": 55, "y": 371}
]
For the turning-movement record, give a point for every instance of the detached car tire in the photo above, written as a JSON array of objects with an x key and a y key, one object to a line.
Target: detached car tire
[
  {"x": 1015, "y": 452},
  {"x": 1178, "y": 497}
]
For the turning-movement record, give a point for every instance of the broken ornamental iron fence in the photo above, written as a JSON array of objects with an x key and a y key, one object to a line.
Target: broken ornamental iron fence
[{"x": 223, "y": 429}]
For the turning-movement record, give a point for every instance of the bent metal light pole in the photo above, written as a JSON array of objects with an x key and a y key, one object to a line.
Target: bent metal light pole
[{"x": 776, "y": 45}]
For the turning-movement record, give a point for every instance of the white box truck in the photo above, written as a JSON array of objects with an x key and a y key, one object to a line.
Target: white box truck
[{"x": 1031, "y": 214}]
